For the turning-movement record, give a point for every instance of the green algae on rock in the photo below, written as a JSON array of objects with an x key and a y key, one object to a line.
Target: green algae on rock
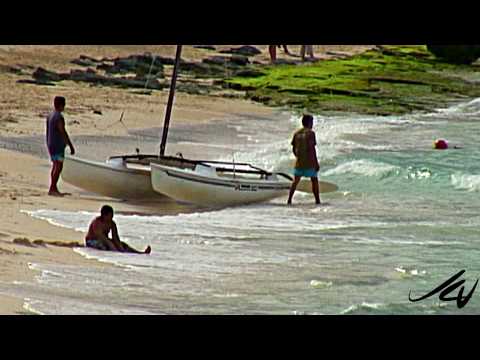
[{"x": 387, "y": 80}]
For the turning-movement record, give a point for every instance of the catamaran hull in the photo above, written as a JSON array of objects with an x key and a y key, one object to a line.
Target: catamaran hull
[
  {"x": 112, "y": 180},
  {"x": 186, "y": 186}
]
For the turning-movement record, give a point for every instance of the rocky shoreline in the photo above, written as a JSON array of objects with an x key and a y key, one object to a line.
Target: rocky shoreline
[
  {"x": 384, "y": 80},
  {"x": 148, "y": 71}
]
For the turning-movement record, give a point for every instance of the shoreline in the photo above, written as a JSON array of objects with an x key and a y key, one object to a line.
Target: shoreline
[{"x": 24, "y": 183}]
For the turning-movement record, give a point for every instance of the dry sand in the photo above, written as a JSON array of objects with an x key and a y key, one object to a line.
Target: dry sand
[{"x": 24, "y": 178}]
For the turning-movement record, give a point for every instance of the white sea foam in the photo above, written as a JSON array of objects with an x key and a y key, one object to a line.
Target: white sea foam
[
  {"x": 319, "y": 284},
  {"x": 409, "y": 272},
  {"x": 363, "y": 167},
  {"x": 467, "y": 182},
  {"x": 363, "y": 305},
  {"x": 231, "y": 223},
  {"x": 468, "y": 108},
  {"x": 29, "y": 305}
]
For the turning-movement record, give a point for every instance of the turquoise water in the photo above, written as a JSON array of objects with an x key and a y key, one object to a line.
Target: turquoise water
[{"x": 405, "y": 219}]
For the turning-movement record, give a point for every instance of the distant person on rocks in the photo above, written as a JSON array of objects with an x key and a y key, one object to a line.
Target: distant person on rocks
[
  {"x": 100, "y": 227},
  {"x": 303, "y": 146},
  {"x": 285, "y": 49},
  {"x": 57, "y": 139},
  {"x": 272, "y": 49},
  {"x": 307, "y": 49}
]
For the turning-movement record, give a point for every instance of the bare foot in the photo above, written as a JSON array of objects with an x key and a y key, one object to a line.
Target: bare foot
[
  {"x": 148, "y": 250},
  {"x": 55, "y": 193}
]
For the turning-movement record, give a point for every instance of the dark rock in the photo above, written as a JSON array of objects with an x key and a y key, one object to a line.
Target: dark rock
[
  {"x": 45, "y": 76},
  {"x": 249, "y": 73},
  {"x": 239, "y": 60},
  {"x": 203, "y": 69},
  {"x": 23, "y": 242},
  {"x": 35, "y": 82},
  {"x": 217, "y": 60},
  {"x": 233, "y": 61},
  {"x": 456, "y": 54},
  {"x": 272, "y": 87},
  {"x": 142, "y": 92},
  {"x": 89, "y": 58},
  {"x": 261, "y": 98},
  {"x": 109, "y": 68},
  {"x": 301, "y": 91},
  {"x": 138, "y": 81},
  {"x": 129, "y": 82},
  {"x": 40, "y": 243},
  {"x": 236, "y": 86},
  {"x": 11, "y": 69},
  {"x": 97, "y": 112},
  {"x": 206, "y": 47},
  {"x": 289, "y": 62},
  {"x": 25, "y": 67},
  {"x": 242, "y": 50},
  {"x": 166, "y": 61},
  {"x": 83, "y": 62},
  {"x": 194, "y": 89},
  {"x": 79, "y": 75},
  {"x": 396, "y": 80},
  {"x": 339, "y": 54},
  {"x": 138, "y": 64}
]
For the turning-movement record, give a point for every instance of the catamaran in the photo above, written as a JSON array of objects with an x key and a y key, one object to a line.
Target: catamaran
[
  {"x": 212, "y": 183},
  {"x": 204, "y": 183}
]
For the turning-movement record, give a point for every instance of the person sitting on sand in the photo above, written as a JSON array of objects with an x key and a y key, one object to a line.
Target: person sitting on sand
[
  {"x": 303, "y": 145},
  {"x": 57, "y": 139},
  {"x": 100, "y": 227}
]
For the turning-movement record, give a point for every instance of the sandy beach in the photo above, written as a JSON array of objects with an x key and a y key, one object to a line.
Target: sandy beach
[{"x": 24, "y": 177}]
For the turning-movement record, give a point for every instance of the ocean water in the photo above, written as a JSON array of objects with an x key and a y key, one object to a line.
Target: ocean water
[{"x": 405, "y": 219}]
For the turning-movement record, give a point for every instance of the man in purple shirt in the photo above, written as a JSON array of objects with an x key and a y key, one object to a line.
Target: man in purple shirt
[{"x": 57, "y": 140}]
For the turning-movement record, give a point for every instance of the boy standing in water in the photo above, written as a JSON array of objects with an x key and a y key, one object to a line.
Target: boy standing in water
[
  {"x": 303, "y": 146},
  {"x": 100, "y": 227},
  {"x": 57, "y": 139}
]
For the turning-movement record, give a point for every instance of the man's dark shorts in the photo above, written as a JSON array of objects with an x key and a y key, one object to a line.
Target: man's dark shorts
[
  {"x": 58, "y": 156},
  {"x": 311, "y": 173},
  {"x": 96, "y": 244}
]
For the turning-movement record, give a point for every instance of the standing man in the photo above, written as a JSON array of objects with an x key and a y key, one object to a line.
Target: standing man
[
  {"x": 303, "y": 145},
  {"x": 57, "y": 140}
]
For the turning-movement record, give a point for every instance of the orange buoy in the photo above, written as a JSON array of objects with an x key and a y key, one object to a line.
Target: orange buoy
[{"x": 440, "y": 144}]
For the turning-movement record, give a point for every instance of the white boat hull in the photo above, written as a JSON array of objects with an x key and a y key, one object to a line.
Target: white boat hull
[
  {"x": 109, "y": 179},
  {"x": 192, "y": 187}
]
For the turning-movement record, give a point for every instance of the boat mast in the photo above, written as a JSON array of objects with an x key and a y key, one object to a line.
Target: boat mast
[{"x": 171, "y": 96}]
